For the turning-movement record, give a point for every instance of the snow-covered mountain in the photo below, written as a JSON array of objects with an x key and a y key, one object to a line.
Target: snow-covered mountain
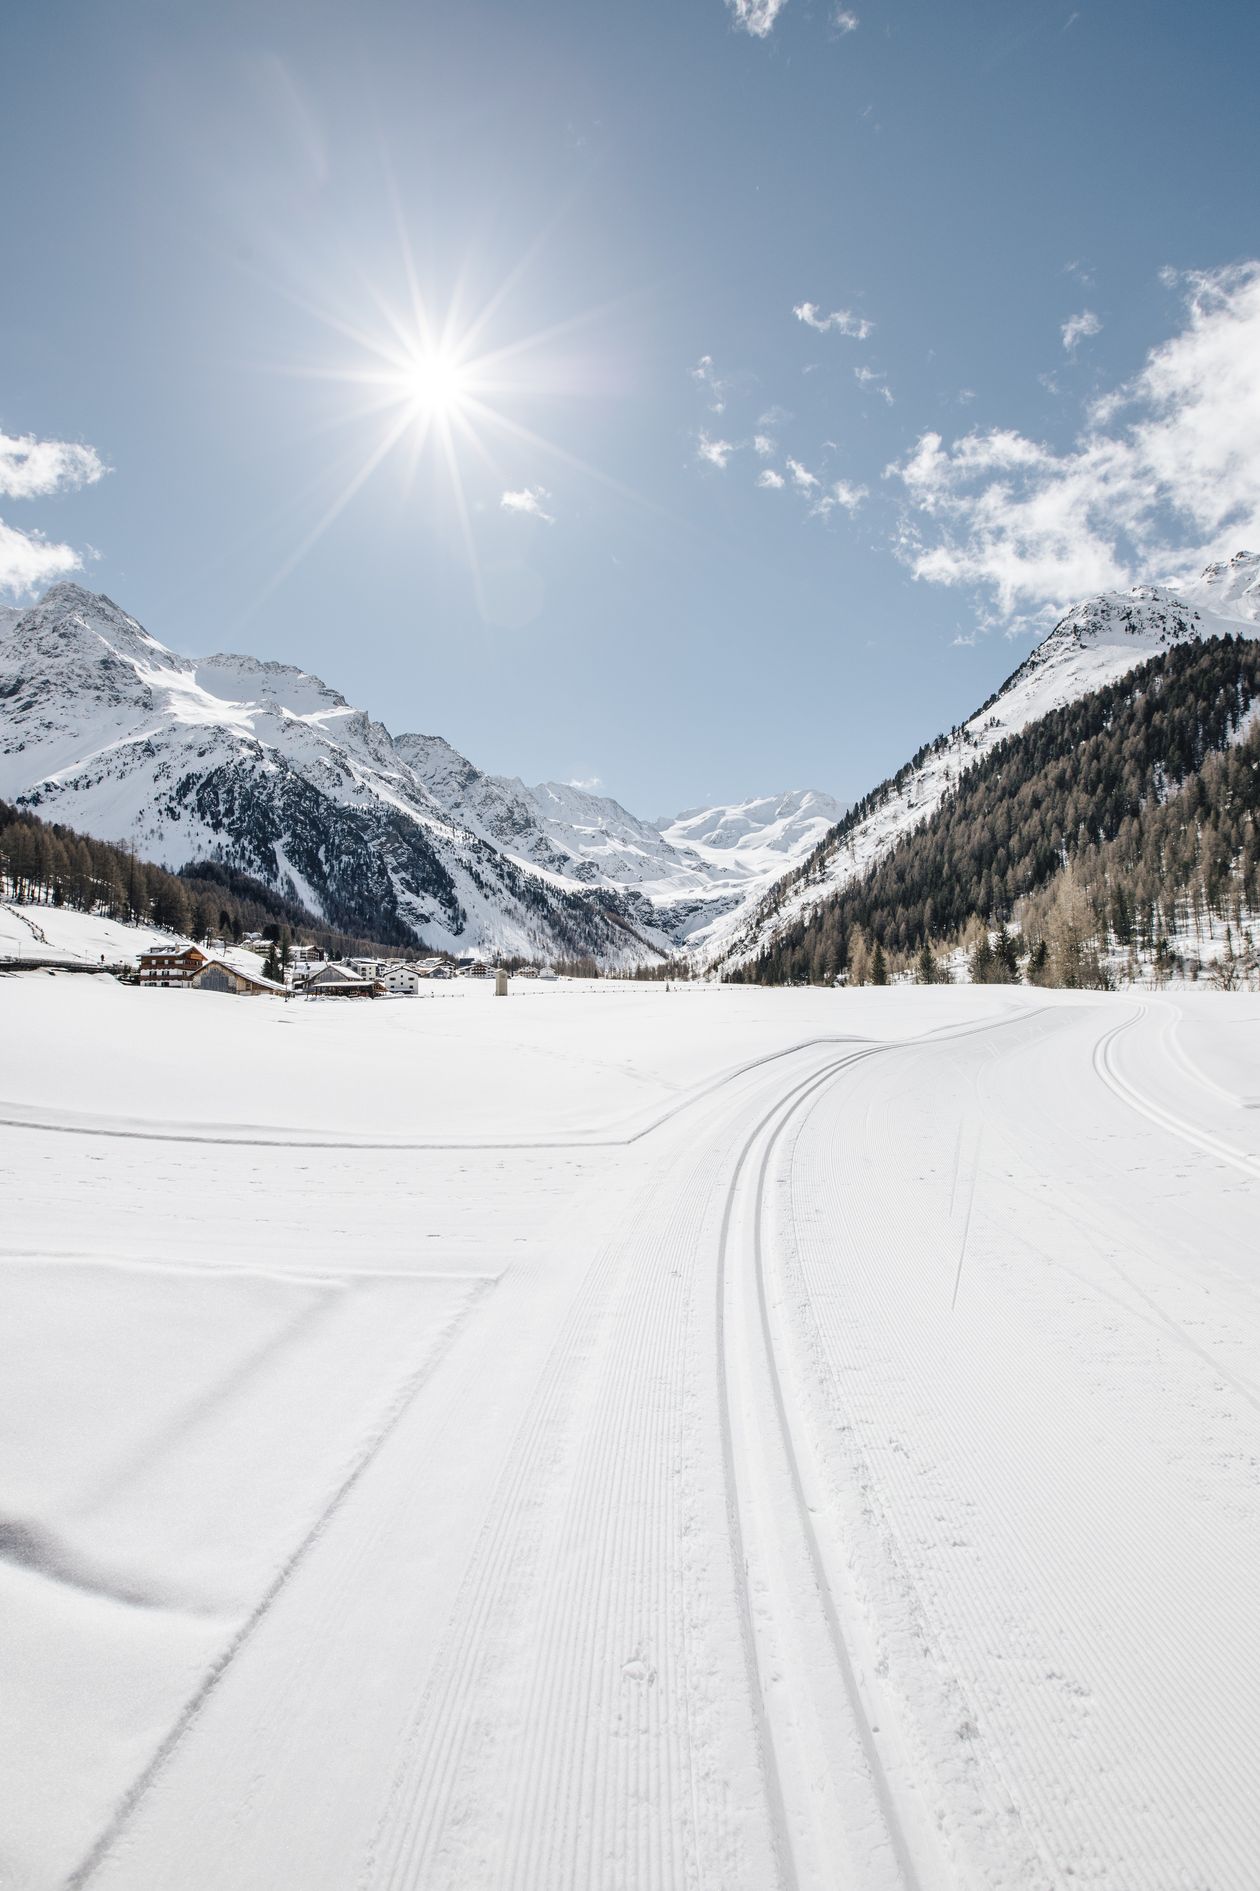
[
  {"x": 688, "y": 877},
  {"x": 263, "y": 765},
  {"x": 1096, "y": 642}
]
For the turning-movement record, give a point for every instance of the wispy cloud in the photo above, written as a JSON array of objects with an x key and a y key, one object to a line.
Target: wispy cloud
[
  {"x": 32, "y": 469},
  {"x": 27, "y": 560},
  {"x": 1078, "y": 327},
  {"x": 1164, "y": 476},
  {"x": 530, "y": 502},
  {"x": 878, "y": 384},
  {"x": 802, "y": 478},
  {"x": 764, "y": 445},
  {"x": 770, "y": 480},
  {"x": 841, "y": 496},
  {"x": 756, "y": 16},
  {"x": 844, "y": 321},
  {"x": 35, "y": 469},
  {"x": 590, "y": 785},
  {"x": 844, "y": 21},
  {"x": 714, "y": 452},
  {"x": 706, "y": 376}
]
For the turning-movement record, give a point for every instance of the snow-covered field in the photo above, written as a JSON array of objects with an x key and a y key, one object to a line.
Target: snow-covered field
[
  {"x": 621, "y": 1437},
  {"x": 58, "y": 932}
]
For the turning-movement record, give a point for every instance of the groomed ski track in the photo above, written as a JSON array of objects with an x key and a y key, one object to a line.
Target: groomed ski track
[{"x": 785, "y": 1503}]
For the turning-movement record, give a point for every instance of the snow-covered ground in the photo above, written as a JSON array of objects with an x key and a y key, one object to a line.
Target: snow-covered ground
[
  {"x": 57, "y": 932},
  {"x": 627, "y": 1437}
]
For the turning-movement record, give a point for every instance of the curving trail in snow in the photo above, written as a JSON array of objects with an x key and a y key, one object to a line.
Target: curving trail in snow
[{"x": 839, "y": 1473}]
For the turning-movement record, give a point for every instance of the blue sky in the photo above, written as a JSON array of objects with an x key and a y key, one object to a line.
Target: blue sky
[{"x": 798, "y": 360}]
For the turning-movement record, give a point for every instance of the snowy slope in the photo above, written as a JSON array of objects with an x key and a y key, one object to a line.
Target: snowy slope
[
  {"x": 843, "y": 1476},
  {"x": 1097, "y": 641},
  {"x": 264, "y": 765},
  {"x": 1231, "y": 589},
  {"x": 58, "y": 932}
]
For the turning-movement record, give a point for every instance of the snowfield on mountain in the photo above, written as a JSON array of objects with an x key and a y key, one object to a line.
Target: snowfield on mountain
[{"x": 704, "y": 1437}]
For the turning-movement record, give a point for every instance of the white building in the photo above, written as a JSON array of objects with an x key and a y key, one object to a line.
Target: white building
[{"x": 399, "y": 978}]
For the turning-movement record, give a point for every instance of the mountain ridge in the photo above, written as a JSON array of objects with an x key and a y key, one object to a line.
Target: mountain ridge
[{"x": 1095, "y": 643}]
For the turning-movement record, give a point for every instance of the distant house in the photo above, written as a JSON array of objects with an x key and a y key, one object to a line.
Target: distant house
[
  {"x": 338, "y": 981},
  {"x": 400, "y": 978},
  {"x": 218, "y": 975},
  {"x": 368, "y": 968},
  {"x": 172, "y": 965}
]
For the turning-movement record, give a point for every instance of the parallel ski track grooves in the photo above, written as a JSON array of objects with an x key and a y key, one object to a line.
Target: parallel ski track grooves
[
  {"x": 1042, "y": 1762},
  {"x": 786, "y": 1107},
  {"x": 541, "y": 1421},
  {"x": 1105, "y": 1065},
  {"x": 390, "y": 1419}
]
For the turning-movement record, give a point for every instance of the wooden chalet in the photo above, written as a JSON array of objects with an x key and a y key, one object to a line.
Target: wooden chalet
[
  {"x": 338, "y": 981},
  {"x": 218, "y": 975},
  {"x": 172, "y": 965}
]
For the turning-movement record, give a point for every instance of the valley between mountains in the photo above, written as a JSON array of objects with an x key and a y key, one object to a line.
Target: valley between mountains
[
  {"x": 270, "y": 770},
  {"x": 646, "y": 1433}
]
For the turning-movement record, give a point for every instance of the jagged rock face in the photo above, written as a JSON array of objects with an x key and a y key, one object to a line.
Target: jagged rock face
[{"x": 1094, "y": 644}]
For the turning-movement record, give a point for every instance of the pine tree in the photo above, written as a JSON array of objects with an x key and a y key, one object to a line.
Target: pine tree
[{"x": 879, "y": 966}]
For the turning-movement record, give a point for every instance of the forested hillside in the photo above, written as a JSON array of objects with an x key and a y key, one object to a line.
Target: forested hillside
[
  {"x": 45, "y": 863},
  {"x": 1109, "y": 820}
]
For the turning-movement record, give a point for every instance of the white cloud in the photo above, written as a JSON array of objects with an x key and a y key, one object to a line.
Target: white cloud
[
  {"x": 843, "y": 320},
  {"x": 32, "y": 469},
  {"x": 706, "y": 376},
  {"x": 844, "y": 21},
  {"x": 1078, "y": 327},
  {"x": 840, "y": 494},
  {"x": 756, "y": 16},
  {"x": 868, "y": 377},
  {"x": 715, "y": 452},
  {"x": 770, "y": 480},
  {"x": 530, "y": 503},
  {"x": 802, "y": 478},
  {"x": 1158, "y": 494},
  {"x": 591, "y": 785},
  {"x": 764, "y": 445},
  {"x": 28, "y": 560},
  {"x": 35, "y": 469}
]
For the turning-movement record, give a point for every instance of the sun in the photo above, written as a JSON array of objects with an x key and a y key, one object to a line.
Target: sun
[{"x": 435, "y": 383}]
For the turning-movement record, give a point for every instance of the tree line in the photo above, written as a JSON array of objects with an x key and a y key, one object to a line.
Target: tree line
[{"x": 45, "y": 863}]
